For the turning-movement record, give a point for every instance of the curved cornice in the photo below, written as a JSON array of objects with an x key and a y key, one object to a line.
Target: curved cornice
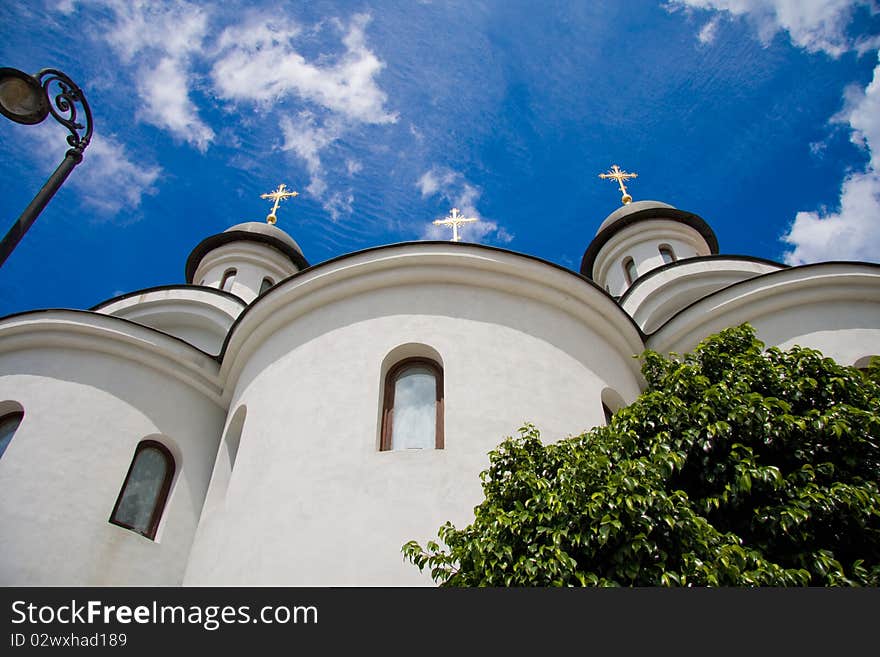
[
  {"x": 427, "y": 262},
  {"x": 640, "y": 281},
  {"x": 91, "y": 331},
  {"x": 169, "y": 288},
  {"x": 673, "y": 214},
  {"x": 828, "y": 281},
  {"x": 210, "y": 243}
]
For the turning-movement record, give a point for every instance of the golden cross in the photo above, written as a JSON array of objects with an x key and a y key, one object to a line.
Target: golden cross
[
  {"x": 620, "y": 176},
  {"x": 278, "y": 195},
  {"x": 455, "y": 220}
]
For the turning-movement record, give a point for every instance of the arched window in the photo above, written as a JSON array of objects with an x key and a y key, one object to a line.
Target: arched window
[
  {"x": 608, "y": 413},
  {"x": 8, "y": 425},
  {"x": 629, "y": 270},
  {"x": 142, "y": 498},
  {"x": 228, "y": 279},
  {"x": 667, "y": 253},
  {"x": 611, "y": 403},
  {"x": 266, "y": 284},
  {"x": 412, "y": 413}
]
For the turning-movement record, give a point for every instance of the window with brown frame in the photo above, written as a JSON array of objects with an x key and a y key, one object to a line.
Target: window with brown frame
[
  {"x": 412, "y": 410},
  {"x": 142, "y": 498}
]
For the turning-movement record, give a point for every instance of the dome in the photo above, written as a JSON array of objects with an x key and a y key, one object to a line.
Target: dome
[
  {"x": 251, "y": 231},
  {"x": 643, "y": 211},
  {"x": 626, "y": 210},
  {"x": 263, "y": 228}
]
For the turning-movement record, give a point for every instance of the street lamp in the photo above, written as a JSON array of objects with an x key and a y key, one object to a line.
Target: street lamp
[{"x": 26, "y": 99}]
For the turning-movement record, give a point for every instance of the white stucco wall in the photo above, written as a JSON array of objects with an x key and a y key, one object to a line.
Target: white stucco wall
[
  {"x": 85, "y": 411},
  {"x": 311, "y": 499}
]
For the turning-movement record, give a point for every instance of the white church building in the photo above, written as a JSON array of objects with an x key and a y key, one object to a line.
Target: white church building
[{"x": 273, "y": 422}]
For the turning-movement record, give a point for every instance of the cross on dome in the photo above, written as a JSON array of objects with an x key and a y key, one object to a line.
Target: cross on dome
[
  {"x": 620, "y": 176},
  {"x": 455, "y": 220},
  {"x": 278, "y": 195}
]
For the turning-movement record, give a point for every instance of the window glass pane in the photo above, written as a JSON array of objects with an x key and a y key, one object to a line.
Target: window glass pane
[
  {"x": 8, "y": 425},
  {"x": 142, "y": 489},
  {"x": 415, "y": 409}
]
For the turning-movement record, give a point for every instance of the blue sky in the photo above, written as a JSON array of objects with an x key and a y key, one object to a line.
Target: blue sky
[{"x": 761, "y": 116}]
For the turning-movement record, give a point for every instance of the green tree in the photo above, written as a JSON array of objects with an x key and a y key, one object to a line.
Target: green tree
[{"x": 736, "y": 467}]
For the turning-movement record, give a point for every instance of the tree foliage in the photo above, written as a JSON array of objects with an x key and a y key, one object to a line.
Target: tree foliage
[{"x": 736, "y": 467}]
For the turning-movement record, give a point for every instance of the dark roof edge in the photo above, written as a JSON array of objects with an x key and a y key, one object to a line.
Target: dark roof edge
[
  {"x": 689, "y": 218},
  {"x": 214, "y": 241},
  {"x": 685, "y": 261}
]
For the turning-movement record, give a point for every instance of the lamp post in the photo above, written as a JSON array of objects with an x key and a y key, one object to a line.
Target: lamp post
[{"x": 28, "y": 99}]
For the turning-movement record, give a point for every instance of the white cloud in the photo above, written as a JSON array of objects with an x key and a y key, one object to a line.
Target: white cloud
[
  {"x": 818, "y": 148},
  {"x": 107, "y": 180},
  {"x": 436, "y": 178},
  {"x": 174, "y": 28},
  {"x": 451, "y": 186},
  {"x": 853, "y": 231},
  {"x": 143, "y": 33},
  {"x": 168, "y": 106},
  {"x": 258, "y": 62},
  {"x": 306, "y": 137},
  {"x": 65, "y": 6},
  {"x": 815, "y": 25},
  {"x": 862, "y": 112},
  {"x": 353, "y": 167},
  {"x": 709, "y": 30},
  {"x": 339, "y": 203}
]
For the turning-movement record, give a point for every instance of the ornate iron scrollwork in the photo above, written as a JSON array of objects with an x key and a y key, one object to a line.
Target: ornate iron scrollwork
[{"x": 63, "y": 107}]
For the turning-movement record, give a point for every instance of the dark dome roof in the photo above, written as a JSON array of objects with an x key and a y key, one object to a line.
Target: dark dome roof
[
  {"x": 263, "y": 228},
  {"x": 253, "y": 231},
  {"x": 640, "y": 211},
  {"x": 626, "y": 210}
]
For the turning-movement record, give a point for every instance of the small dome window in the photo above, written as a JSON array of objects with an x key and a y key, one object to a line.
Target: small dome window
[
  {"x": 630, "y": 271},
  {"x": 667, "y": 254},
  {"x": 228, "y": 280}
]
